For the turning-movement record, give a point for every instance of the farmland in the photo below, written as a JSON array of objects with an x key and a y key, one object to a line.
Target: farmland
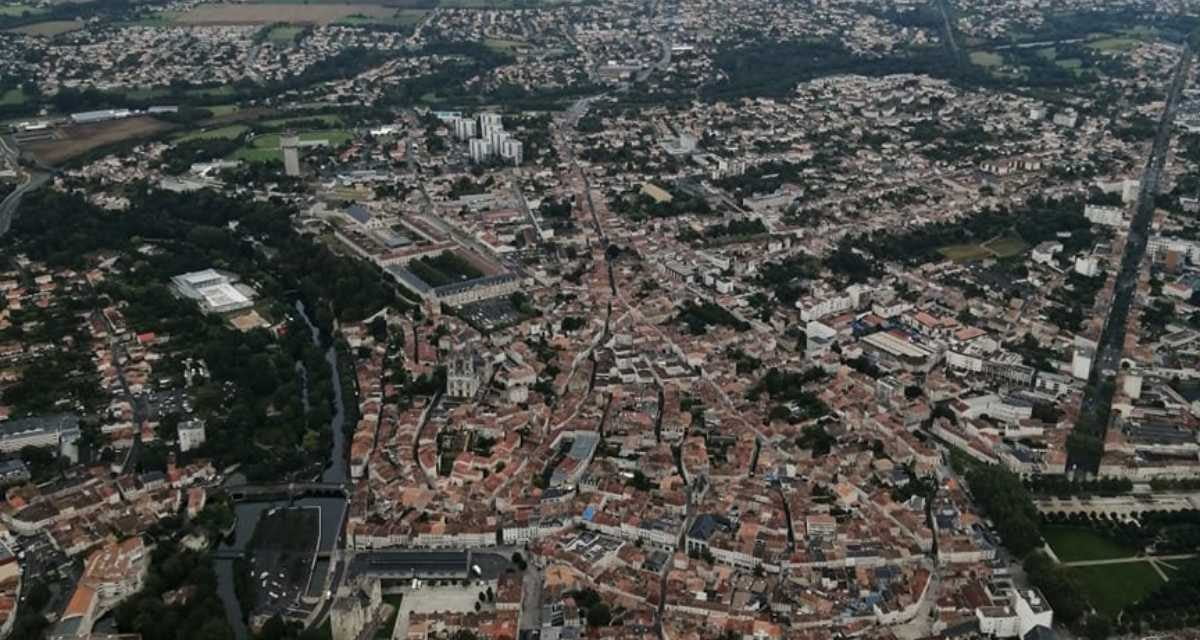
[
  {"x": 81, "y": 139},
  {"x": 19, "y": 9},
  {"x": 49, "y": 28},
  {"x": 273, "y": 13}
]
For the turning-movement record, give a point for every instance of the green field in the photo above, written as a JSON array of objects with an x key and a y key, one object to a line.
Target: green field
[
  {"x": 1006, "y": 247},
  {"x": 330, "y": 119},
  {"x": 11, "y": 97},
  {"x": 986, "y": 59},
  {"x": 284, "y": 33},
  {"x": 1113, "y": 44},
  {"x": 964, "y": 252},
  {"x": 223, "y": 109},
  {"x": 265, "y": 147},
  {"x": 18, "y": 9},
  {"x": 1076, "y": 544},
  {"x": 231, "y": 131},
  {"x": 504, "y": 46},
  {"x": 402, "y": 18},
  {"x": 1112, "y": 587}
]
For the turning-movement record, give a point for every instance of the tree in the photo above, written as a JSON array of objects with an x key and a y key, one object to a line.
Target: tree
[
  {"x": 1097, "y": 628},
  {"x": 599, "y": 615}
]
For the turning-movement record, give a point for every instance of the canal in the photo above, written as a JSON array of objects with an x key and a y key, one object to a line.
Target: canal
[{"x": 332, "y": 510}]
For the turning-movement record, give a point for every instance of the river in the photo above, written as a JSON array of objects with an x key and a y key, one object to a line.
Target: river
[{"x": 332, "y": 509}]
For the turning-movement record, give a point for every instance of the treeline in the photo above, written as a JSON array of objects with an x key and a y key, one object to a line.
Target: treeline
[
  {"x": 345, "y": 63},
  {"x": 792, "y": 402},
  {"x": 1004, "y": 499},
  {"x": 1061, "y": 485},
  {"x": 195, "y": 614},
  {"x": 719, "y": 232},
  {"x": 699, "y": 316},
  {"x": 1160, "y": 532}
]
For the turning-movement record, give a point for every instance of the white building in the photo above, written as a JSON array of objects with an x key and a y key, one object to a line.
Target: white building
[
  {"x": 191, "y": 434},
  {"x": 1107, "y": 216},
  {"x": 511, "y": 149},
  {"x": 481, "y": 150},
  {"x": 214, "y": 292}
]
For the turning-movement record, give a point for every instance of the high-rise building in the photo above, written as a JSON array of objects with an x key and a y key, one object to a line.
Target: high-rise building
[
  {"x": 512, "y": 150},
  {"x": 490, "y": 121},
  {"x": 291, "y": 155},
  {"x": 481, "y": 150},
  {"x": 464, "y": 128}
]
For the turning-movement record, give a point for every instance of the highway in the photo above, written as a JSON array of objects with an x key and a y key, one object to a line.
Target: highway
[
  {"x": 8, "y": 206},
  {"x": 1097, "y": 400}
]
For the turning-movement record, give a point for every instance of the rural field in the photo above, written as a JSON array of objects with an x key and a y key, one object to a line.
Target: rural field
[
  {"x": 80, "y": 139},
  {"x": 272, "y": 13},
  {"x": 49, "y": 28},
  {"x": 19, "y": 9}
]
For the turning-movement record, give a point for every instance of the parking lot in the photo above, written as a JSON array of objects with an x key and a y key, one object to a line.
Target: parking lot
[{"x": 432, "y": 600}]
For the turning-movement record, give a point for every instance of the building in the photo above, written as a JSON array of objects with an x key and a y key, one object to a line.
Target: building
[
  {"x": 110, "y": 575},
  {"x": 480, "y": 150},
  {"x": 61, "y": 431},
  {"x": 512, "y": 150},
  {"x": 291, "y": 155},
  {"x": 356, "y": 606},
  {"x": 13, "y": 472},
  {"x": 191, "y": 434},
  {"x": 214, "y": 292},
  {"x": 464, "y": 128},
  {"x": 467, "y": 372},
  {"x": 1107, "y": 216}
]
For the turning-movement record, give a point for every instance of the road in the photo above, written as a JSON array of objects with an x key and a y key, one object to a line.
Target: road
[
  {"x": 1097, "y": 400},
  {"x": 1096, "y": 563},
  {"x": 8, "y": 206},
  {"x": 949, "y": 29}
]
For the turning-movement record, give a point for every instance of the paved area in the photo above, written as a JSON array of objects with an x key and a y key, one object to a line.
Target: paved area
[
  {"x": 434, "y": 599},
  {"x": 1152, "y": 559}
]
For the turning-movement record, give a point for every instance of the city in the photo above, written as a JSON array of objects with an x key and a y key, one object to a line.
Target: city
[{"x": 556, "y": 319}]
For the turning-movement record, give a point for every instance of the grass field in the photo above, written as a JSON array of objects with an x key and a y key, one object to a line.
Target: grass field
[
  {"x": 231, "y": 131},
  {"x": 265, "y": 147},
  {"x": 284, "y": 33},
  {"x": 986, "y": 59},
  {"x": 19, "y": 9},
  {"x": 329, "y": 119},
  {"x": 49, "y": 28},
  {"x": 1110, "y": 588},
  {"x": 11, "y": 97},
  {"x": 222, "y": 109},
  {"x": 1113, "y": 44},
  {"x": 401, "y": 18},
  {"x": 504, "y": 46},
  {"x": 1075, "y": 544},
  {"x": 1005, "y": 247},
  {"x": 272, "y": 13},
  {"x": 964, "y": 252}
]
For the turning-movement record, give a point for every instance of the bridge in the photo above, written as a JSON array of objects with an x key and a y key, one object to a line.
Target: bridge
[{"x": 287, "y": 491}]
